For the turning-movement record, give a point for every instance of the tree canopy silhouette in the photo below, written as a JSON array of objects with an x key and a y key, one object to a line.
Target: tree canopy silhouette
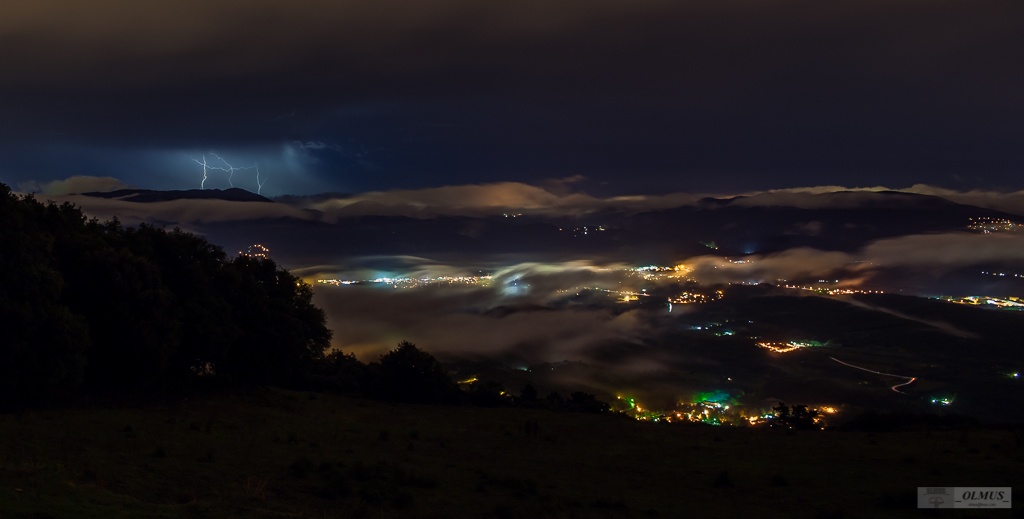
[
  {"x": 44, "y": 342},
  {"x": 408, "y": 374},
  {"x": 116, "y": 308}
]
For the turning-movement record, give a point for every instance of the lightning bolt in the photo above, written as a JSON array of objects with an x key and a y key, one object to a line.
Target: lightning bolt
[
  {"x": 202, "y": 185},
  {"x": 259, "y": 185},
  {"x": 227, "y": 168}
]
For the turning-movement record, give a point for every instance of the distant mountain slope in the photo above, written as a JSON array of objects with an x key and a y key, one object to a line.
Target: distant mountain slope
[
  {"x": 148, "y": 195},
  {"x": 844, "y": 223},
  {"x": 762, "y": 224}
]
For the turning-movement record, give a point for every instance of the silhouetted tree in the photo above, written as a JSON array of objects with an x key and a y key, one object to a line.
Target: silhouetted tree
[
  {"x": 797, "y": 417},
  {"x": 201, "y": 286},
  {"x": 281, "y": 333},
  {"x": 130, "y": 309},
  {"x": 126, "y": 303},
  {"x": 339, "y": 372},
  {"x": 803, "y": 418},
  {"x": 781, "y": 411},
  {"x": 43, "y": 343},
  {"x": 408, "y": 374}
]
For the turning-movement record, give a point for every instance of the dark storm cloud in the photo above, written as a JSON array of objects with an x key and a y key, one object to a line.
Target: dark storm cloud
[{"x": 694, "y": 95}]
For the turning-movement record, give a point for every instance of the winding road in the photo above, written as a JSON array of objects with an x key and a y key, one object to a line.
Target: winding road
[{"x": 910, "y": 380}]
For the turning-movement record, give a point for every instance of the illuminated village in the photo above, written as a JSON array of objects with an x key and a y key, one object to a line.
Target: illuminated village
[
  {"x": 256, "y": 251},
  {"x": 1009, "y": 303},
  {"x": 718, "y": 408},
  {"x": 407, "y": 282},
  {"x": 988, "y": 224}
]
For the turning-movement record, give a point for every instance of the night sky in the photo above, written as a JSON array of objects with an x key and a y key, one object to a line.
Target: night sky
[{"x": 638, "y": 97}]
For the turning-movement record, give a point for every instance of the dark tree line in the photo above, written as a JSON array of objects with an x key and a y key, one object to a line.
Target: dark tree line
[
  {"x": 91, "y": 306},
  {"x": 410, "y": 375},
  {"x": 405, "y": 374}
]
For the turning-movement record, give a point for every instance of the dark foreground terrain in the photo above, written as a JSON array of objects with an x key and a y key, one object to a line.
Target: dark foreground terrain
[{"x": 292, "y": 454}]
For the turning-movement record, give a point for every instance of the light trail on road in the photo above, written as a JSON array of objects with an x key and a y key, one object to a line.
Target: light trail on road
[{"x": 912, "y": 379}]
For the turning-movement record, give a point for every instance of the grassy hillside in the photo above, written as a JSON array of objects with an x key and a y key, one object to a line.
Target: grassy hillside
[{"x": 290, "y": 454}]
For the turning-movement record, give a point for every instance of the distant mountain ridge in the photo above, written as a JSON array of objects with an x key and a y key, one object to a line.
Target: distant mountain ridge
[
  {"x": 734, "y": 227},
  {"x": 233, "y": 194}
]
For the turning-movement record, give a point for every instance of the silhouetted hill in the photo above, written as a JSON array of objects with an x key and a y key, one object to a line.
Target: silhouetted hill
[
  {"x": 233, "y": 194},
  {"x": 765, "y": 223},
  {"x": 842, "y": 221}
]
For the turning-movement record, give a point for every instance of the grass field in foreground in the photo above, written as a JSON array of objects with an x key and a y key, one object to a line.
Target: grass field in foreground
[{"x": 291, "y": 454}]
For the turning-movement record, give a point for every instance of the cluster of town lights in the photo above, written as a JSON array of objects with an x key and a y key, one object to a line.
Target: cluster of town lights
[
  {"x": 989, "y": 225},
  {"x": 707, "y": 412},
  {"x": 256, "y": 251},
  {"x": 783, "y": 347},
  {"x": 696, "y": 297},
  {"x": 405, "y": 282},
  {"x": 834, "y": 291},
  {"x": 1014, "y": 303}
]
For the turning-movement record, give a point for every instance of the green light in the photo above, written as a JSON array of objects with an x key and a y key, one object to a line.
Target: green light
[{"x": 713, "y": 397}]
